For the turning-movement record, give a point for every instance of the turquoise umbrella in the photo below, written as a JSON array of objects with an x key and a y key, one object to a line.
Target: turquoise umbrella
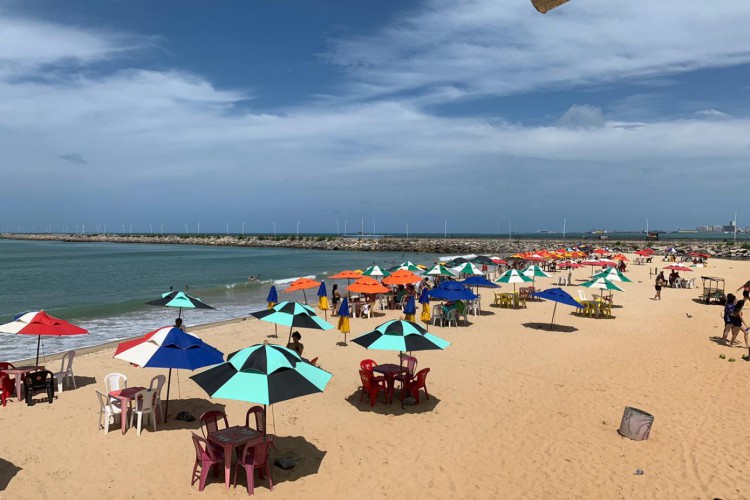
[
  {"x": 399, "y": 335},
  {"x": 180, "y": 300},
  {"x": 293, "y": 314}
]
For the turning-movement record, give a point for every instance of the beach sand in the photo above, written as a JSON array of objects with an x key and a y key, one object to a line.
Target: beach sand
[{"x": 515, "y": 411}]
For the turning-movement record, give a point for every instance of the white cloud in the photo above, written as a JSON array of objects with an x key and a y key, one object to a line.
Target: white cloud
[
  {"x": 582, "y": 116},
  {"x": 712, "y": 113}
]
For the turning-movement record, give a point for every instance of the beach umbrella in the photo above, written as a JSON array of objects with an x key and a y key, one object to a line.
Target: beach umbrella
[
  {"x": 40, "y": 323},
  {"x": 293, "y": 315},
  {"x": 346, "y": 275},
  {"x": 424, "y": 299},
  {"x": 400, "y": 335},
  {"x": 513, "y": 276},
  {"x": 602, "y": 284},
  {"x": 170, "y": 348},
  {"x": 468, "y": 268},
  {"x": 375, "y": 271},
  {"x": 677, "y": 267},
  {"x": 410, "y": 309},
  {"x": 479, "y": 281},
  {"x": 402, "y": 277},
  {"x": 533, "y": 272},
  {"x": 557, "y": 295},
  {"x": 343, "y": 325},
  {"x": 181, "y": 300},
  {"x": 612, "y": 274},
  {"x": 323, "y": 298},
  {"x": 645, "y": 252},
  {"x": 409, "y": 266},
  {"x": 263, "y": 374},
  {"x": 367, "y": 285},
  {"x": 483, "y": 260},
  {"x": 273, "y": 297},
  {"x": 438, "y": 270},
  {"x": 451, "y": 290},
  {"x": 498, "y": 261},
  {"x": 302, "y": 284},
  {"x": 569, "y": 265}
]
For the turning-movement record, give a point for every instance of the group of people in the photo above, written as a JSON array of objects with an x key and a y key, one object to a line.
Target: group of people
[{"x": 733, "y": 319}]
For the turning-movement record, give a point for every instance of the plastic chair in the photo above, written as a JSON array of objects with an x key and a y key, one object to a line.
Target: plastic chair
[
  {"x": 367, "y": 364},
  {"x": 115, "y": 382},
  {"x": 260, "y": 418},
  {"x": 210, "y": 421},
  {"x": 144, "y": 405},
  {"x": 582, "y": 295},
  {"x": 66, "y": 371},
  {"x": 159, "y": 380},
  {"x": 437, "y": 314},
  {"x": 370, "y": 385},
  {"x": 475, "y": 306},
  {"x": 255, "y": 456},
  {"x": 205, "y": 458},
  {"x": 4, "y": 365},
  {"x": 314, "y": 361},
  {"x": 108, "y": 409},
  {"x": 418, "y": 382},
  {"x": 41, "y": 381},
  {"x": 498, "y": 299},
  {"x": 7, "y": 387},
  {"x": 411, "y": 368},
  {"x": 452, "y": 316}
]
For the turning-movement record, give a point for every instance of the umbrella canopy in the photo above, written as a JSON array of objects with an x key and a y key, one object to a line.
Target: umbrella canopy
[
  {"x": 179, "y": 300},
  {"x": 402, "y": 277},
  {"x": 438, "y": 270},
  {"x": 534, "y": 272},
  {"x": 409, "y": 266},
  {"x": 570, "y": 265},
  {"x": 468, "y": 268},
  {"x": 40, "y": 323},
  {"x": 677, "y": 267},
  {"x": 424, "y": 299},
  {"x": 343, "y": 325},
  {"x": 301, "y": 284},
  {"x": 557, "y": 295},
  {"x": 612, "y": 274},
  {"x": 479, "y": 281},
  {"x": 169, "y": 347},
  {"x": 513, "y": 276},
  {"x": 410, "y": 308},
  {"x": 451, "y": 290},
  {"x": 483, "y": 260},
  {"x": 346, "y": 275},
  {"x": 645, "y": 252},
  {"x": 499, "y": 261},
  {"x": 293, "y": 315},
  {"x": 366, "y": 284},
  {"x": 273, "y": 297},
  {"x": 398, "y": 335},
  {"x": 375, "y": 271},
  {"x": 602, "y": 284},
  {"x": 322, "y": 297},
  {"x": 263, "y": 374}
]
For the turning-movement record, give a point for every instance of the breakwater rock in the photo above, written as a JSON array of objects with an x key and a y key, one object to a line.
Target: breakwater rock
[{"x": 447, "y": 246}]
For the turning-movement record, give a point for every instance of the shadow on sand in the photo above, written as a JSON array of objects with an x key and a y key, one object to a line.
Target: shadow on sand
[
  {"x": 196, "y": 407},
  {"x": 551, "y": 328},
  {"x": 7, "y": 472},
  {"x": 425, "y": 405}
]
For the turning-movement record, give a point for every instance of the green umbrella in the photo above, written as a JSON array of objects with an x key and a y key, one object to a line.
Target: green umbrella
[
  {"x": 409, "y": 266},
  {"x": 612, "y": 274},
  {"x": 513, "y": 276},
  {"x": 180, "y": 300},
  {"x": 375, "y": 271},
  {"x": 467, "y": 268},
  {"x": 602, "y": 284},
  {"x": 534, "y": 271},
  {"x": 399, "y": 335},
  {"x": 438, "y": 270}
]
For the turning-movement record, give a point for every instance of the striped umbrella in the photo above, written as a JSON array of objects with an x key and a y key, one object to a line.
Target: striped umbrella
[
  {"x": 409, "y": 266},
  {"x": 293, "y": 315},
  {"x": 180, "y": 300},
  {"x": 602, "y": 284},
  {"x": 612, "y": 274},
  {"x": 375, "y": 271},
  {"x": 533, "y": 272},
  {"x": 438, "y": 270},
  {"x": 513, "y": 276},
  {"x": 40, "y": 323},
  {"x": 468, "y": 268},
  {"x": 263, "y": 374},
  {"x": 399, "y": 335},
  {"x": 343, "y": 325}
]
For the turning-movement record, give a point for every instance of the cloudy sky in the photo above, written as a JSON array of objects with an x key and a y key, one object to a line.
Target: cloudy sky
[{"x": 470, "y": 112}]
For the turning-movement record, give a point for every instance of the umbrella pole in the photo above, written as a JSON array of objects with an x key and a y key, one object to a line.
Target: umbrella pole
[
  {"x": 290, "y": 335},
  {"x": 305, "y": 296},
  {"x": 552, "y": 323},
  {"x": 179, "y": 313},
  {"x": 38, "y": 343},
  {"x": 166, "y": 406}
]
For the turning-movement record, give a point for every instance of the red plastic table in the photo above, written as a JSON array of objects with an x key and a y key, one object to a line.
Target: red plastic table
[
  {"x": 125, "y": 396},
  {"x": 230, "y": 438},
  {"x": 390, "y": 370},
  {"x": 20, "y": 372}
]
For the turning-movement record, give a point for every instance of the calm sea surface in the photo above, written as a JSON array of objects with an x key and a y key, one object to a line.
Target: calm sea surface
[{"x": 103, "y": 286}]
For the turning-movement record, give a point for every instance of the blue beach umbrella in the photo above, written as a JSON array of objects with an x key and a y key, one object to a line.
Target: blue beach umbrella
[
  {"x": 479, "y": 281},
  {"x": 424, "y": 299},
  {"x": 451, "y": 290},
  {"x": 273, "y": 297},
  {"x": 323, "y": 298},
  {"x": 410, "y": 309},
  {"x": 343, "y": 325},
  {"x": 557, "y": 295}
]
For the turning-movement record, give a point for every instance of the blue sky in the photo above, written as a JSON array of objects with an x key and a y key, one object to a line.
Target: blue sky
[{"x": 472, "y": 112}]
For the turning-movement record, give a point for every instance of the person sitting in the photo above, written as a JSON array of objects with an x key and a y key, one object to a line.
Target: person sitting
[
  {"x": 295, "y": 345},
  {"x": 621, "y": 266},
  {"x": 400, "y": 293},
  {"x": 178, "y": 324}
]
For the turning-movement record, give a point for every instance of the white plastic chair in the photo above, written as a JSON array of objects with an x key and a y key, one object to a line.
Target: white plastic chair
[
  {"x": 437, "y": 314},
  {"x": 143, "y": 405},
  {"x": 452, "y": 317},
  {"x": 107, "y": 409},
  {"x": 475, "y": 306},
  {"x": 690, "y": 283},
  {"x": 159, "y": 380},
  {"x": 115, "y": 382},
  {"x": 66, "y": 371},
  {"x": 582, "y": 295},
  {"x": 562, "y": 280}
]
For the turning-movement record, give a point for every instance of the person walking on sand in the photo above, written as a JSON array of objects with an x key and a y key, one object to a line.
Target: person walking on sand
[
  {"x": 728, "y": 312},
  {"x": 738, "y": 322},
  {"x": 660, "y": 282},
  {"x": 745, "y": 290}
]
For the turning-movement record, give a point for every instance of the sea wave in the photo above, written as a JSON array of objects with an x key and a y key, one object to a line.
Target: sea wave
[{"x": 286, "y": 281}]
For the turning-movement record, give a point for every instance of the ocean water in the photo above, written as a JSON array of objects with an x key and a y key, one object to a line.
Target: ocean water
[{"x": 103, "y": 286}]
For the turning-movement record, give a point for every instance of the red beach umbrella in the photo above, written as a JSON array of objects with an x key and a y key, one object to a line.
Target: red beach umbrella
[
  {"x": 676, "y": 267},
  {"x": 40, "y": 323}
]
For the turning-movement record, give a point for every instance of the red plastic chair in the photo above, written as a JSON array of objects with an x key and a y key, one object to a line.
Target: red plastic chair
[
  {"x": 314, "y": 361},
  {"x": 7, "y": 387},
  {"x": 255, "y": 456},
  {"x": 205, "y": 458},
  {"x": 210, "y": 421},
  {"x": 4, "y": 365},
  {"x": 419, "y": 382},
  {"x": 367, "y": 365},
  {"x": 411, "y": 368},
  {"x": 260, "y": 418},
  {"x": 371, "y": 385}
]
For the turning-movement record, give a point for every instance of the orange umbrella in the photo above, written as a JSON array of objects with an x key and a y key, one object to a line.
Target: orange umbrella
[
  {"x": 402, "y": 277},
  {"x": 302, "y": 284},
  {"x": 347, "y": 275},
  {"x": 620, "y": 256},
  {"x": 366, "y": 284}
]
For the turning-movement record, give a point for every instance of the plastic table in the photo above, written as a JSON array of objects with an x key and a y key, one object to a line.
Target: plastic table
[
  {"x": 20, "y": 372},
  {"x": 390, "y": 370},
  {"x": 125, "y": 396},
  {"x": 230, "y": 438}
]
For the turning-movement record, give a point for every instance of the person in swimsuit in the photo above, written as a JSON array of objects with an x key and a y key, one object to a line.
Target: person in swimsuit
[
  {"x": 295, "y": 345},
  {"x": 728, "y": 312},
  {"x": 745, "y": 290},
  {"x": 660, "y": 282},
  {"x": 738, "y": 322}
]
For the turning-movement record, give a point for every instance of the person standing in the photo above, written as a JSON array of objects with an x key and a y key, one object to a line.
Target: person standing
[
  {"x": 660, "y": 282},
  {"x": 738, "y": 322},
  {"x": 728, "y": 312},
  {"x": 745, "y": 290},
  {"x": 335, "y": 298}
]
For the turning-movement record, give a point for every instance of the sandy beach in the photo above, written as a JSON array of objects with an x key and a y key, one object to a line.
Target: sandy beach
[{"x": 515, "y": 411}]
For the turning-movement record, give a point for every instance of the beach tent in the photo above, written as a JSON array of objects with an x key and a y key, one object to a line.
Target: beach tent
[{"x": 40, "y": 323}]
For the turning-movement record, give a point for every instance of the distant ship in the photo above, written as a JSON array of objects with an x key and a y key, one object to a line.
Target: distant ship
[
  {"x": 598, "y": 231},
  {"x": 544, "y": 231}
]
